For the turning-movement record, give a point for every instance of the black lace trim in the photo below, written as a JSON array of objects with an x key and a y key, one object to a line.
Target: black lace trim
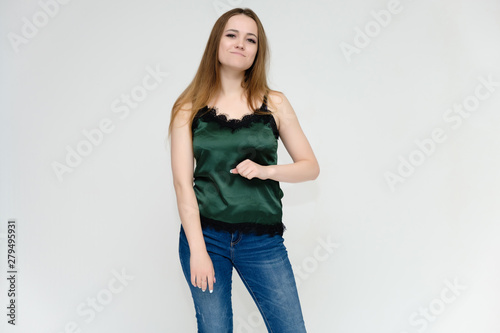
[
  {"x": 236, "y": 124},
  {"x": 244, "y": 227}
]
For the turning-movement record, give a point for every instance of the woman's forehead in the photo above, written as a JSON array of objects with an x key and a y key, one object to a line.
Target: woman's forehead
[{"x": 242, "y": 24}]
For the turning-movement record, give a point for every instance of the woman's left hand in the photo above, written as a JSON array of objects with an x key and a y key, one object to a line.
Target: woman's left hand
[{"x": 249, "y": 169}]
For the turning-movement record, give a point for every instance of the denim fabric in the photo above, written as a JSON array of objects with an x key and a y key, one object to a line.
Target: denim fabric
[{"x": 263, "y": 266}]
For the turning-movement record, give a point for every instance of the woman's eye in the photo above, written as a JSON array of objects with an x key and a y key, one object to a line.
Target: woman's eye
[
  {"x": 252, "y": 41},
  {"x": 230, "y": 35}
]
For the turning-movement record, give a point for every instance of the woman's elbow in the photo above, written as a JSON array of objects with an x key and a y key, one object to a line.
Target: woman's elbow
[
  {"x": 316, "y": 171},
  {"x": 181, "y": 186}
]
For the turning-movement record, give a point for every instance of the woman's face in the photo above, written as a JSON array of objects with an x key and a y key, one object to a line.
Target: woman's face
[{"x": 239, "y": 43}]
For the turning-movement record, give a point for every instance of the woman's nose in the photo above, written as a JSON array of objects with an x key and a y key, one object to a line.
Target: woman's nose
[{"x": 240, "y": 44}]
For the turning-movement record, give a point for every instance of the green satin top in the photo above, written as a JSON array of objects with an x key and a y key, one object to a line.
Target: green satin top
[{"x": 229, "y": 201}]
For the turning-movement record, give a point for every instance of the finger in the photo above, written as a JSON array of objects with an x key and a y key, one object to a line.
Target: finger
[
  {"x": 193, "y": 280},
  {"x": 204, "y": 284},
  {"x": 242, "y": 170},
  {"x": 199, "y": 281},
  {"x": 211, "y": 287},
  {"x": 242, "y": 166},
  {"x": 211, "y": 284},
  {"x": 248, "y": 173},
  {"x": 236, "y": 170}
]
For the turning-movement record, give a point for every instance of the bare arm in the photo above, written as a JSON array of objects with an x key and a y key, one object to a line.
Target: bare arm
[
  {"x": 202, "y": 272},
  {"x": 304, "y": 167}
]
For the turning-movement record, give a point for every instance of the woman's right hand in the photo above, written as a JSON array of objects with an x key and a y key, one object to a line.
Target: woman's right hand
[{"x": 202, "y": 271}]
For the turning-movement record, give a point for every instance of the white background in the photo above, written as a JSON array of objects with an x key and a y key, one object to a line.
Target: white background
[{"x": 397, "y": 250}]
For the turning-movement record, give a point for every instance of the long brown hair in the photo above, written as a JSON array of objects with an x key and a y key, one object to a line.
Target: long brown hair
[{"x": 206, "y": 83}]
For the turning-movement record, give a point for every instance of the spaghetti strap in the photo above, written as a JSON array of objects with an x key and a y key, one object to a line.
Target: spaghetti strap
[{"x": 264, "y": 103}]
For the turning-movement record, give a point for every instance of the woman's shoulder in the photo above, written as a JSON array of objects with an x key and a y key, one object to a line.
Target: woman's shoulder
[
  {"x": 186, "y": 107},
  {"x": 276, "y": 97},
  {"x": 183, "y": 115},
  {"x": 279, "y": 105},
  {"x": 184, "y": 112}
]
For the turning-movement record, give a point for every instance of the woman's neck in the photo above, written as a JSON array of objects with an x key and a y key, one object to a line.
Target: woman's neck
[{"x": 231, "y": 84}]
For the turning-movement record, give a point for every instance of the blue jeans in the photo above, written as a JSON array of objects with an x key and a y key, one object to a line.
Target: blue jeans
[{"x": 263, "y": 266}]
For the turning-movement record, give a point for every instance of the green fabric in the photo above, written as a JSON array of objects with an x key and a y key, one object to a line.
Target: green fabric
[{"x": 218, "y": 146}]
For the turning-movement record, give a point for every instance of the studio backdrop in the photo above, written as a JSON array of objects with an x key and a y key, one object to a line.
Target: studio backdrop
[{"x": 398, "y": 98}]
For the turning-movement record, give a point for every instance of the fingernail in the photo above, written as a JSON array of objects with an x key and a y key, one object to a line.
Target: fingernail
[{"x": 211, "y": 291}]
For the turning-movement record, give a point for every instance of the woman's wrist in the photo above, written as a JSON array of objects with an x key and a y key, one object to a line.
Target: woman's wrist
[
  {"x": 199, "y": 251},
  {"x": 271, "y": 171}
]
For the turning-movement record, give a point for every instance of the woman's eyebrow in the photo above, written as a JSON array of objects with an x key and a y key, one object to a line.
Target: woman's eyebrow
[{"x": 238, "y": 32}]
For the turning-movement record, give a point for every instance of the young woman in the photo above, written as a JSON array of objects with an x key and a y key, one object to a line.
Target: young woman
[{"x": 229, "y": 121}]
